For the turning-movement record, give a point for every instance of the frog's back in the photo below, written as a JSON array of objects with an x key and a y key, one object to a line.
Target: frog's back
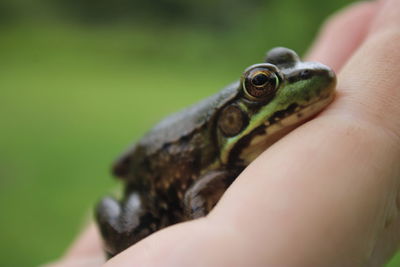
[
  {"x": 182, "y": 124},
  {"x": 173, "y": 139}
]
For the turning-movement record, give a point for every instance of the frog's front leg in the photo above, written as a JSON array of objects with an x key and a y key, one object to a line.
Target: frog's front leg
[
  {"x": 204, "y": 194},
  {"x": 123, "y": 224}
]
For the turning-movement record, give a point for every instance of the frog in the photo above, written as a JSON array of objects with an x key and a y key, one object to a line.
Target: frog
[{"x": 180, "y": 169}]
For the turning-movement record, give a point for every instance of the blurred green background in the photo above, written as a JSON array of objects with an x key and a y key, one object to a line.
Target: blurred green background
[{"x": 82, "y": 79}]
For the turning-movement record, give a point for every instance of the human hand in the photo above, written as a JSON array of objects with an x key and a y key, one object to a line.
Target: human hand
[{"x": 325, "y": 195}]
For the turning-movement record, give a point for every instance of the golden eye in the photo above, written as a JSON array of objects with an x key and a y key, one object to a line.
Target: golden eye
[
  {"x": 259, "y": 79},
  {"x": 260, "y": 82}
]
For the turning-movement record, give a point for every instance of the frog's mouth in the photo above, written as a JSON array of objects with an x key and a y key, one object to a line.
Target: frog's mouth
[{"x": 277, "y": 126}]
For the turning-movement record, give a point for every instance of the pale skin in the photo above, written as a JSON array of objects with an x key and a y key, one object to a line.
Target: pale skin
[{"x": 325, "y": 195}]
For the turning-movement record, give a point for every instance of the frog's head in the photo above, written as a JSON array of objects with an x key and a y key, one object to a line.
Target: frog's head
[{"x": 274, "y": 97}]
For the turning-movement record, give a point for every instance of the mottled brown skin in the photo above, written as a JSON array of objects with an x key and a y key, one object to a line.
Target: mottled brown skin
[{"x": 179, "y": 170}]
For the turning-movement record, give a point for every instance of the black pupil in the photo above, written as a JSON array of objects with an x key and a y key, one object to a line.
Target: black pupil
[{"x": 260, "y": 79}]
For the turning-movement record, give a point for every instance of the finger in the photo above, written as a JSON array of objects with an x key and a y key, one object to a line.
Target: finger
[
  {"x": 88, "y": 244},
  {"x": 387, "y": 18},
  {"x": 369, "y": 83},
  {"x": 342, "y": 34},
  {"x": 86, "y": 251}
]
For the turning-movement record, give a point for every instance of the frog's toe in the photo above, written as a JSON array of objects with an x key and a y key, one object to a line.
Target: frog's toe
[
  {"x": 123, "y": 224},
  {"x": 108, "y": 212}
]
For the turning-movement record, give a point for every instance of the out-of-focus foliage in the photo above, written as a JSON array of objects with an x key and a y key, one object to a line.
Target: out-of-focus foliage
[
  {"x": 77, "y": 84},
  {"x": 217, "y": 14}
]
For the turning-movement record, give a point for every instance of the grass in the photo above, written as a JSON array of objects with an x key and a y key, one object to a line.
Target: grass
[{"x": 72, "y": 99}]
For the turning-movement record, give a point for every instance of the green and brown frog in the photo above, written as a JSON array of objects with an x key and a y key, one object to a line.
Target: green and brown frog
[{"x": 179, "y": 170}]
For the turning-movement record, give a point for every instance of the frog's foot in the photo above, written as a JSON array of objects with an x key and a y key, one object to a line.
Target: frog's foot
[
  {"x": 123, "y": 224},
  {"x": 204, "y": 194}
]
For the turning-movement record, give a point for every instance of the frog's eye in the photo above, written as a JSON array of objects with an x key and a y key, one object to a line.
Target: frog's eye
[
  {"x": 260, "y": 82},
  {"x": 232, "y": 120}
]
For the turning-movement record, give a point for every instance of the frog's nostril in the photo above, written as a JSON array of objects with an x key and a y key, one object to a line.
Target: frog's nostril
[{"x": 305, "y": 74}]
